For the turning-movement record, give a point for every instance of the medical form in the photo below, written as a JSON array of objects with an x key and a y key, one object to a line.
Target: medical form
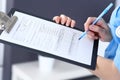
[{"x": 50, "y": 37}]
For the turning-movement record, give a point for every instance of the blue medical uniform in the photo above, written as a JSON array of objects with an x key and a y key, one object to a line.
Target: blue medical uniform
[{"x": 113, "y": 49}]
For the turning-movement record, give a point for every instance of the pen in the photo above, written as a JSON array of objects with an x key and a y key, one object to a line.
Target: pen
[{"x": 97, "y": 19}]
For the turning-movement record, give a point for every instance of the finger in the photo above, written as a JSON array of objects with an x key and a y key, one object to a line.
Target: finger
[
  {"x": 68, "y": 23},
  {"x": 63, "y": 19},
  {"x": 92, "y": 35},
  {"x": 73, "y": 23},
  {"x": 102, "y": 23},
  {"x": 56, "y": 19},
  {"x": 96, "y": 29},
  {"x": 94, "y": 38},
  {"x": 88, "y": 22}
]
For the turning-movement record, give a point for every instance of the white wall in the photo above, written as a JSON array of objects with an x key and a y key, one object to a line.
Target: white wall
[
  {"x": 3, "y": 9},
  {"x": 6, "y": 5},
  {"x": 3, "y": 5}
]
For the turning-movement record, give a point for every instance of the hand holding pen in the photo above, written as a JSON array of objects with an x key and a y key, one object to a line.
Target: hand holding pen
[
  {"x": 97, "y": 19},
  {"x": 65, "y": 20}
]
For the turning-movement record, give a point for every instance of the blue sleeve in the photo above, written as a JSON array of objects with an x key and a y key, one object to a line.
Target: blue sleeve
[
  {"x": 113, "y": 50},
  {"x": 114, "y": 23},
  {"x": 110, "y": 51}
]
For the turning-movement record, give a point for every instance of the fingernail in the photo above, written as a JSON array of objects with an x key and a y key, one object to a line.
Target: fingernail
[
  {"x": 67, "y": 24},
  {"x": 62, "y": 22},
  {"x": 72, "y": 26},
  {"x": 57, "y": 21}
]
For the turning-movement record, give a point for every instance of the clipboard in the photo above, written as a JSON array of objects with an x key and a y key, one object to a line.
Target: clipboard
[{"x": 50, "y": 39}]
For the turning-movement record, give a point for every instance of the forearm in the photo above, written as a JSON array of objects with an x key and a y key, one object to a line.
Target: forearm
[{"x": 106, "y": 69}]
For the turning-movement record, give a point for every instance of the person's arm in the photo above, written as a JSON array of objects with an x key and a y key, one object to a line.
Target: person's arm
[{"x": 105, "y": 68}]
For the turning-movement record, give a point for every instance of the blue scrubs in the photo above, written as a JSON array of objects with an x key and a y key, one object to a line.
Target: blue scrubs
[{"x": 113, "y": 49}]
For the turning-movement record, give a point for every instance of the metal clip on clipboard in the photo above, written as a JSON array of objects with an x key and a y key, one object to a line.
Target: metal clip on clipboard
[{"x": 6, "y": 22}]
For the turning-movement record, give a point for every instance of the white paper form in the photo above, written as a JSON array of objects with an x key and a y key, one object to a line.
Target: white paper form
[{"x": 43, "y": 35}]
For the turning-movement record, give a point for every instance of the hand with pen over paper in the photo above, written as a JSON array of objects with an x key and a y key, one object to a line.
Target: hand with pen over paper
[
  {"x": 107, "y": 67},
  {"x": 98, "y": 31}
]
